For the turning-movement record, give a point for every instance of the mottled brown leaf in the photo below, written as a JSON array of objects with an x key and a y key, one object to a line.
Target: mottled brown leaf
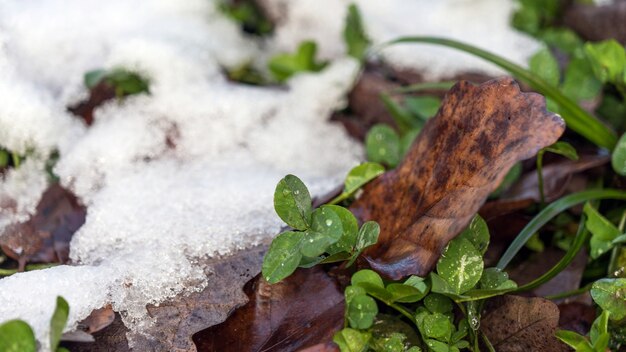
[
  {"x": 520, "y": 324},
  {"x": 299, "y": 312},
  {"x": 459, "y": 158}
]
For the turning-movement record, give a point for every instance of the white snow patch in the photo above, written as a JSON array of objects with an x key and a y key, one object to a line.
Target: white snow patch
[{"x": 483, "y": 23}]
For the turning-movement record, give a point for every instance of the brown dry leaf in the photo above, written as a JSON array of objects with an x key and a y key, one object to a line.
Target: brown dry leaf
[
  {"x": 576, "y": 316},
  {"x": 176, "y": 320},
  {"x": 459, "y": 158},
  {"x": 97, "y": 96},
  {"x": 98, "y": 320},
  {"x": 595, "y": 23},
  {"x": 520, "y": 324},
  {"x": 299, "y": 312},
  {"x": 322, "y": 347},
  {"x": 556, "y": 179},
  {"x": 537, "y": 264},
  {"x": 46, "y": 236}
]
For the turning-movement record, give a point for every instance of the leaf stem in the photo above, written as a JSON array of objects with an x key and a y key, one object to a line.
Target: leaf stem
[
  {"x": 402, "y": 310},
  {"x": 542, "y": 196},
  {"x": 575, "y": 292}
]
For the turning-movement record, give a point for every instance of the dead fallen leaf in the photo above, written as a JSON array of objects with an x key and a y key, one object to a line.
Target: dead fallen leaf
[
  {"x": 176, "y": 320},
  {"x": 366, "y": 108},
  {"x": 593, "y": 22},
  {"x": 97, "y": 320},
  {"x": 576, "y": 316},
  {"x": 322, "y": 347},
  {"x": 459, "y": 158},
  {"x": 556, "y": 177},
  {"x": 97, "y": 96},
  {"x": 520, "y": 324},
  {"x": 539, "y": 263},
  {"x": 298, "y": 312},
  {"x": 46, "y": 236}
]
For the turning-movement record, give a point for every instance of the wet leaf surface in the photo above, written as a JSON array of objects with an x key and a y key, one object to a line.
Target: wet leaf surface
[
  {"x": 296, "y": 313},
  {"x": 519, "y": 324},
  {"x": 460, "y": 157}
]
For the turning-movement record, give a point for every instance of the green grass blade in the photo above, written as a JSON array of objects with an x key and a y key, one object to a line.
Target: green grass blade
[
  {"x": 549, "y": 213},
  {"x": 576, "y": 118}
]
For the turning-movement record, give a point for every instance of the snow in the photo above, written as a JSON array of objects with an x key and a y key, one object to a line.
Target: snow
[
  {"x": 154, "y": 210},
  {"x": 483, "y": 23}
]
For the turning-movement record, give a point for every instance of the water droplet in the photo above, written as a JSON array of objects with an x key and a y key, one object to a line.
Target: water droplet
[
  {"x": 296, "y": 192},
  {"x": 329, "y": 222},
  {"x": 311, "y": 240},
  {"x": 286, "y": 191}
]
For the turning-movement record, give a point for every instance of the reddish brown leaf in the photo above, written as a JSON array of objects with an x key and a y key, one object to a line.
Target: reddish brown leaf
[
  {"x": 97, "y": 96},
  {"x": 519, "y": 324},
  {"x": 459, "y": 158},
  {"x": 298, "y": 312},
  {"x": 46, "y": 236}
]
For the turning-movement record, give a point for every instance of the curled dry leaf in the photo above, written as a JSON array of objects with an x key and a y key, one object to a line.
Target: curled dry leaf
[
  {"x": 297, "y": 313},
  {"x": 459, "y": 158},
  {"x": 520, "y": 324}
]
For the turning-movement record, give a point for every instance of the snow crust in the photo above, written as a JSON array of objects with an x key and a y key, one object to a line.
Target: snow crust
[{"x": 152, "y": 209}]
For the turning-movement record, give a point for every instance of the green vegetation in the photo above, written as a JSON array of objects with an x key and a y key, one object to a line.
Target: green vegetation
[
  {"x": 327, "y": 234},
  {"x": 18, "y": 336},
  {"x": 283, "y": 66},
  {"x": 248, "y": 14},
  {"x": 124, "y": 82}
]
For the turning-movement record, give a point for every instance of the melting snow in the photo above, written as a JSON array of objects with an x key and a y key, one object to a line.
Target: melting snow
[{"x": 153, "y": 210}]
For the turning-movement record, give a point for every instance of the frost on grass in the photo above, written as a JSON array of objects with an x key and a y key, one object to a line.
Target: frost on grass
[
  {"x": 189, "y": 170},
  {"x": 484, "y": 23}
]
